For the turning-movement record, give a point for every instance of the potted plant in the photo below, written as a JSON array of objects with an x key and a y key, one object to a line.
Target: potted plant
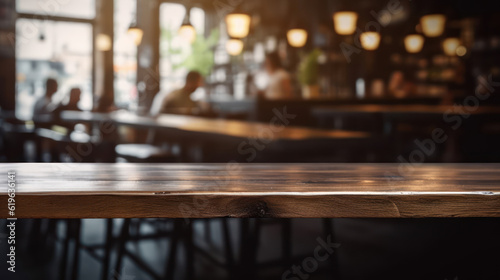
[{"x": 308, "y": 74}]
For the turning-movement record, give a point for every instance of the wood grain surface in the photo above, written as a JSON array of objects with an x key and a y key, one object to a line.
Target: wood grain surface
[{"x": 253, "y": 190}]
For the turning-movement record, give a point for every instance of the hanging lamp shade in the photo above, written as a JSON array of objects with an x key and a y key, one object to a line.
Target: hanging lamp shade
[
  {"x": 433, "y": 25},
  {"x": 450, "y": 46},
  {"x": 103, "y": 42},
  {"x": 345, "y": 22},
  {"x": 414, "y": 43},
  {"x": 370, "y": 40},
  {"x": 187, "y": 31},
  {"x": 234, "y": 47},
  {"x": 238, "y": 25},
  {"x": 297, "y": 37},
  {"x": 136, "y": 33}
]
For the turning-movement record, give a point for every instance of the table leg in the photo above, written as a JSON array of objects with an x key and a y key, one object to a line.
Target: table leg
[
  {"x": 76, "y": 253},
  {"x": 107, "y": 249},
  {"x": 122, "y": 242}
]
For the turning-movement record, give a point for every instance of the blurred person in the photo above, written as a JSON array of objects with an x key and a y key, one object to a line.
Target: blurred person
[
  {"x": 108, "y": 131},
  {"x": 280, "y": 86},
  {"x": 45, "y": 104},
  {"x": 180, "y": 98},
  {"x": 399, "y": 86},
  {"x": 106, "y": 104},
  {"x": 74, "y": 99}
]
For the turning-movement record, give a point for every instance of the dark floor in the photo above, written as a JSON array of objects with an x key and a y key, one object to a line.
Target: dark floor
[{"x": 369, "y": 249}]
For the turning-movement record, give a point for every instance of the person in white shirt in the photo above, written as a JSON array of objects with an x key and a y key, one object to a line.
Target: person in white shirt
[
  {"x": 44, "y": 105},
  {"x": 178, "y": 99},
  {"x": 280, "y": 86}
]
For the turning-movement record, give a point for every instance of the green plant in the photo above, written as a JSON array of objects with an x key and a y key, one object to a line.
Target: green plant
[
  {"x": 200, "y": 57},
  {"x": 308, "y": 72}
]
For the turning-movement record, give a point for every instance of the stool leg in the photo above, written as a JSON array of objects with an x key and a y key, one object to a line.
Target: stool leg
[
  {"x": 172, "y": 257},
  {"x": 286, "y": 241},
  {"x": 121, "y": 247},
  {"x": 76, "y": 254},
  {"x": 329, "y": 231},
  {"x": 248, "y": 249},
  {"x": 189, "y": 251},
  {"x": 228, "y": 248},
  {"x": 208, "y": 232},
  {"x": 107, "y": 249},
  {"x": 64, "y": 255}
]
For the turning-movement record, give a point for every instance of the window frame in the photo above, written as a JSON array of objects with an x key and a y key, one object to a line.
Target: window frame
[{"x": 91, "y": 22}]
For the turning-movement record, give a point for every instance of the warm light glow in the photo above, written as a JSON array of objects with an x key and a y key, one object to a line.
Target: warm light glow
[
  {"x": 450, "y": 46},
  {"x": 238, "y": 25},
  {"x": 234, "y": 47},
  {"x": 136, "y": 34},
  {"x": 345, "y": 22},
  {"x": 461, "y": 51},
  {"x": 103, "y": 42},
  {"x": 433, "y": 25},
  {"x": 297, "y": 37},
  {"x": 370, "y": 40},
  {"x": 187, "y": 33},
  {"x": 414, "y": 43}
]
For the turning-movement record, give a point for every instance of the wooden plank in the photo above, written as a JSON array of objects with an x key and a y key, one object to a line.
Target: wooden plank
[{"x": 254, "y": 190}]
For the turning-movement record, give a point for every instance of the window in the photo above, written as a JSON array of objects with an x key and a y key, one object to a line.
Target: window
[
  {"x": 125, "y": 54},
  {"x": 52, "y": 49},
  {"x": 64, "y": 8},
  {"x": 173, "y": 49}
]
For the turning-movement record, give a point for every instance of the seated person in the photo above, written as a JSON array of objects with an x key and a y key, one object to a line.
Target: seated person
[
  {"x": 178, "y": 99},
  {"x": 106, "y": 104},
  {"x": 280, "y": 86},
  {"x": 74, "y": 98},
  {"x": 71, "y": 105},
  {"x": 45, "y": 105}
]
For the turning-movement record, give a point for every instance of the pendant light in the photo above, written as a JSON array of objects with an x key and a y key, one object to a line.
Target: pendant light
[
  {"x": 297, "y": 37},
  {"x": 238, "y": 24},
  {"x": 450, "y": 46},
  {"x": 187, "y": 31},
  {"x": 297, "y": 33},
  {"x": 414, "y": 43},
  {"x": 234, "y": 47},
  {"x": 345, "y": 22},
  {"x": 433, "y": 24},
  {"x": 136, "y": 33},
  {"x": 103, "y": 42},
  {"x": 370, "y": 40}
]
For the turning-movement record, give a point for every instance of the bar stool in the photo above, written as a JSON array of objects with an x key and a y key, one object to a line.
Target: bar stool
[
  {"x": 251, "y": 230},
  {"x": 181, "y": 233},
  {"x": 126, "y": 236}
]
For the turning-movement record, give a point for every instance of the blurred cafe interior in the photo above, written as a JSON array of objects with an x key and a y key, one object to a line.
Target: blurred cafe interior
[
  {"x": 281, "y": 81},
  {"x": 362, "y": 79}
]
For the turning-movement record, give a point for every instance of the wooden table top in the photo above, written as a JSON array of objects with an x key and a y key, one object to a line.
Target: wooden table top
[
  {"x": 221, "y": 127},
  {"x": 253, "y": 190},
  {"x": 403, "y": 109}
]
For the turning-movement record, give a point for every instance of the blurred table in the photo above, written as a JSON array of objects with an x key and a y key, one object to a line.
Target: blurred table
[
  {"x": 391, "y": 114},
  {"x": 219, "y": 140},
  {"x": 254, "y": 190},
  {"x": 214, "y": 127},
  {"x": 404, "y": 109}
]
